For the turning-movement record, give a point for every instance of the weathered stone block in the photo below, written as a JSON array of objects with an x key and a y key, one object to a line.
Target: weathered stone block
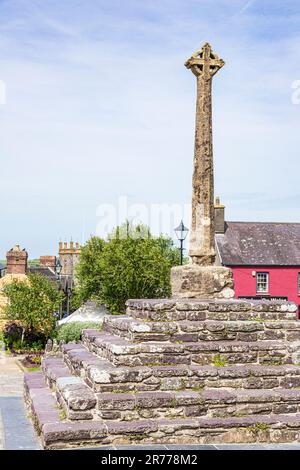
[
  {"x": 154, "y": 400},
  {"x": 196, "y": 316},
  {"x": 115, "y": 401},
  {"x": 194, "y": 281},
  {"x": 78, "y": 397}
]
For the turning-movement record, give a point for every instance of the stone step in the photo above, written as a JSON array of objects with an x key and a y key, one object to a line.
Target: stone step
[
  {"x": 57, "y": 432},
  {"x": 74, "y": 396},
  {"x": 79, "y": 401},
  {"x": 212, "y": 403},
  {"x": 224, "y": 310},
  {"x": 102, "y": 376},
  {"x": 41, "y": 403},
  {"x": 271, "y": 429},
  {"x": 121, "y": 352},
  {"x": 202, "y": 330}
]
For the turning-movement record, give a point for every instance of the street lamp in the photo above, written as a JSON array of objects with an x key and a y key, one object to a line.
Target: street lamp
[
  {"x": 58, "y": 268},
  {"x": 181, "y": 233},
  {"x": 68, "y": 289}
]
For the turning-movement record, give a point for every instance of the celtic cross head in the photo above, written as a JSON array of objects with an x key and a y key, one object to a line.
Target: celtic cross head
[{"x": 204, "y": 62}]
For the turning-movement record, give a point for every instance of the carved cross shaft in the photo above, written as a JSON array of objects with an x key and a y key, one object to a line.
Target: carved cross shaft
[{"x": 204, "y": 64}]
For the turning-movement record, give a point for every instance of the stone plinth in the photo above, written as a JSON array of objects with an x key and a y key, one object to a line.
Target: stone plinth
[{"x": 202, "y": 282}]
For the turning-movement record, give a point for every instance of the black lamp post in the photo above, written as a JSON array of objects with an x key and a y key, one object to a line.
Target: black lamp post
[
  {"x": 181, "y": 233},
  {"x": 58, "y": 268},
  {"x": 68, "y": 292}
]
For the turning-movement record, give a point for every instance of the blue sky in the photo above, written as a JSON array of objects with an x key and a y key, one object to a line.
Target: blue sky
[{"x": 99, "y": 105}]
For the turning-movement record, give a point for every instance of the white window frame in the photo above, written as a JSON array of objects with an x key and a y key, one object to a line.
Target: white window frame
[{"x": 267, "y": 283}]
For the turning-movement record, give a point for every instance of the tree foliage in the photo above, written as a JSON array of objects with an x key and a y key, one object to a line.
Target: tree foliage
[
  {"x": 130, "y": 264},
  {"x": 33, "y": 303},
  {"x": 89, "y": 269}
]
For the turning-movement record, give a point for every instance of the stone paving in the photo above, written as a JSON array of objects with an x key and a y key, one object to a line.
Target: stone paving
[{"x": 16, "y": 432}]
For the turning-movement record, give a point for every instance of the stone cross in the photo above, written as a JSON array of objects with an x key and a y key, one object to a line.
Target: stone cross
[{"x": 204, "y": 64}]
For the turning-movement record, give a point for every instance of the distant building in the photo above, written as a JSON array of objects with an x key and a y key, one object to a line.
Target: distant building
[
  {"x": 264, "y": 257},
  {"x": 68, "y": 255}
]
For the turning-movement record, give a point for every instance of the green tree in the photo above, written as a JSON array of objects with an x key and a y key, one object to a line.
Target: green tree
[
  {"x": 76, "y": 299},
  {"x": 88, "y": 269},
  {"x": 33, "y": 303},
  {"x": 130, "y": 264}
]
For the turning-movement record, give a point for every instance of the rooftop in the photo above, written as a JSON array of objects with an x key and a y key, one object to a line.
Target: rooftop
[{"x": 260, "y": 244}]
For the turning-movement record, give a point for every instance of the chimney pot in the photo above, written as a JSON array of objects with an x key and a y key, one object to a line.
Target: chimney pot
[{"x": 219, "y": 216}]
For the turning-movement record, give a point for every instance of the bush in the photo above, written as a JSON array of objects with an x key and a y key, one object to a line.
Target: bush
[
  {"x": 12, "y": 333},
  {"x": 12, "y": 336},
  {"x": 71, "y": 332}
]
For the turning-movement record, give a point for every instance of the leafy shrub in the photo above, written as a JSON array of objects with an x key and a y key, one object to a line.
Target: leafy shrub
[
  {"x": 70, "y": 332},
  {"x": 12, "y": 337},
  {"x": 35, "y": 360},
  {"x": 12, "y": 333}
]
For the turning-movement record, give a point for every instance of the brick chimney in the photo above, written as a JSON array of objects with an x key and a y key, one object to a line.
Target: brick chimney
[
  {"x": 219, "y": 216},
  {"x": 16, "y": 261},
  {"x": 48, "y": 262}
]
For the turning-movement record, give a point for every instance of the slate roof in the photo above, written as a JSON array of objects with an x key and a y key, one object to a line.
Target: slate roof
[
  {"x": 259, "y": 244},
  {"x": 42, "y": 270}
]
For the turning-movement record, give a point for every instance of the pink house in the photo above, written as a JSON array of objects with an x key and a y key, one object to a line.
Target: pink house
[{"x": 264, "y": 257}]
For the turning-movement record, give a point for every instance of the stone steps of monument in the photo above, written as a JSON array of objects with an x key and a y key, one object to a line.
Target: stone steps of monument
[
  {"x": 211, "y": 403},
  {"x": 102, "y": 376},
  {"x": 121, "y": 352},
  {"x": 112, "y": 389},
  {"x": 58, "y": 432},
  {"x": 200, "y": 310},
  {"x": 202, "y": 330},
  {"x": 79, "y": 401}
]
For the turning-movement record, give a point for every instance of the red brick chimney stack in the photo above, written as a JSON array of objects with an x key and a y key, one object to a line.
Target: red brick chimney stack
[
  {"x": 16, "y": 261},
  {"x": 48, "y": 262}
]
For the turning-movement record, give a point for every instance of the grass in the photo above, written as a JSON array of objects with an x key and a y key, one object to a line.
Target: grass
[
  {"x": 219, "y": 361},
  {"x": 33, "y": 369},
  {"x": 257, "y": 427},
  {"x": 273, "y": 363}
]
